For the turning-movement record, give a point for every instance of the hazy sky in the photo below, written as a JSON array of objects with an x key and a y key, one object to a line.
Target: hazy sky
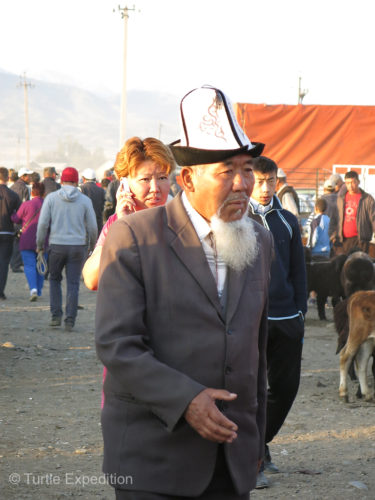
[{"x": 254, "y": 51}]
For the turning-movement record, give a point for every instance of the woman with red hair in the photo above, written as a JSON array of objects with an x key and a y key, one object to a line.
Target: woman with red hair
[{"x": 143, "y": 167}]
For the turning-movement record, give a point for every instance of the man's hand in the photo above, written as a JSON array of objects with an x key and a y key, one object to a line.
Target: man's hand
[{"x": 205, "y": 417}]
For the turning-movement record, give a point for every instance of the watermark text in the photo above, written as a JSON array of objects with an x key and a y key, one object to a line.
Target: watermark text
[{"x": 69, "y": 478}]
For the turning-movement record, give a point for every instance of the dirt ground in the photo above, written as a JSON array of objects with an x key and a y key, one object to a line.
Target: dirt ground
[{"x": 51, "y": 445}]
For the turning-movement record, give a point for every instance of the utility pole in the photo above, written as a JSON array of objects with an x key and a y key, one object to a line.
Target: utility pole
[
  {"x": 301, "y": 93},
  {"x": 18, "y": 153},
  {"x": 23, "y": 83},
  {"x": 125, "y": 16}
]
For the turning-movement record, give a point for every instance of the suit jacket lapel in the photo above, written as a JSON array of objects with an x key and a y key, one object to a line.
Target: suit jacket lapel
[{"x": 185, "y": 243}]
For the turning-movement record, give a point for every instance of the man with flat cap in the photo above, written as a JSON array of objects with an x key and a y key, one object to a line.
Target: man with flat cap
[
  {"x": 49, "y": 180},
  {"x": 181, "y": 324}
]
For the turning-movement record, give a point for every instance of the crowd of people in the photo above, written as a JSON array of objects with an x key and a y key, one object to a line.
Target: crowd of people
[
  {"x": 201, "y": 294},
  {"x": 23, "y": 212},
  {"x": 344, "y": 218}
]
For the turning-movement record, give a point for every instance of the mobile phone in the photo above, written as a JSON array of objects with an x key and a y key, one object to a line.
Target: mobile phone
[{"x": 125, "y": 184}]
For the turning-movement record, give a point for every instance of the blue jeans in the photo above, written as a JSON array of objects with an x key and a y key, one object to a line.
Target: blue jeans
[
  {"x": 6, "y": 248},
  {"x": 71, "y": 257},
  {"x": 34, "y": 279}
]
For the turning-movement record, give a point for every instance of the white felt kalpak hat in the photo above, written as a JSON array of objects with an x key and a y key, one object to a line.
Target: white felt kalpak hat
[
  {"x": 210, "y": 132},
  {"x": 280, "y": 173}
]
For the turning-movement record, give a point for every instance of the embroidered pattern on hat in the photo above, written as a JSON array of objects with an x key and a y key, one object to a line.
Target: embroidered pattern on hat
[{"x": 210, "y": 122}]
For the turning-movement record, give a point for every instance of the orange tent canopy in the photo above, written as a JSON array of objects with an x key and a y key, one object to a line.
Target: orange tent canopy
[{"x": 303, "y": 139}]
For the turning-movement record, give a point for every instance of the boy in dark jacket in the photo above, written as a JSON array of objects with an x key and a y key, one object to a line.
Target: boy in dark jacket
[{"x": 287, "y": 302}]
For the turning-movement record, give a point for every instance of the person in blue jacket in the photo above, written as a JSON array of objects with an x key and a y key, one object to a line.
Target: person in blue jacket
[
  {"x": 287, "y": 303},
  {"x": 318, "y": 239}
]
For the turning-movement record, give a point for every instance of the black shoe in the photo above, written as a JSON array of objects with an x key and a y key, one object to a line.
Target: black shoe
[
  {"x": 2, "y": 296},
  {"x": 55, "y": 321},
  {"x": 269, "y": 466}
]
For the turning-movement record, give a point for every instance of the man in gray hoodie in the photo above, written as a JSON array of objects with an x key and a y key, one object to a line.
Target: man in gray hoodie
[{"x": 70, "y": 217}]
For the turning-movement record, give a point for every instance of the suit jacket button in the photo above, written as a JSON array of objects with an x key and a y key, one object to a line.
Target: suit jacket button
[{"x": 229, "y": 332}]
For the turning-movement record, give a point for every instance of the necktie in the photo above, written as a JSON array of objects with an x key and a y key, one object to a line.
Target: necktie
[
  {"x": 222, "y": 293},
  {"x": 214, "y": 267}
]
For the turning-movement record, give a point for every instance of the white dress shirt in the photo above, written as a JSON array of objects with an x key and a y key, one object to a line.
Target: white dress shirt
[{"x": 206, "y": 237}]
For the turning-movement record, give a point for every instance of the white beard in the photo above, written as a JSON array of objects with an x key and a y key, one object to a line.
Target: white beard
[{"x": 236, "y": 242}]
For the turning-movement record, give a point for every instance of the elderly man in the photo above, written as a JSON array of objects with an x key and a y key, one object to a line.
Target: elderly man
[
  {"x": 181, "y": 324},
  {"x": 287, "y": 194}
]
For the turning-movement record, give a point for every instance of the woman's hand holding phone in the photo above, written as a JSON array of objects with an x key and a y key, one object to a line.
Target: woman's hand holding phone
[{"x": 125, "y": 202}]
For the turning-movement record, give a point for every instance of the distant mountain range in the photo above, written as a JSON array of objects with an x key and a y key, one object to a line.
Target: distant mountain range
[{"x": 60, "y": 111}]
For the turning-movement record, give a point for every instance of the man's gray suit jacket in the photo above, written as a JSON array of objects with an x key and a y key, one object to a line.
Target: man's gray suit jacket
[{"x": 162, "y": 334}]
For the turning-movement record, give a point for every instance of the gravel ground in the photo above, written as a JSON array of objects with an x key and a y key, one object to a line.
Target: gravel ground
[{"x": 51, "y": 446}]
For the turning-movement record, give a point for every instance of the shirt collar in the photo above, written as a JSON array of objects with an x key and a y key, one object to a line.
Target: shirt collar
[
  {"x": 261, "y": 209},
  {"x": 201, "y": 226}
]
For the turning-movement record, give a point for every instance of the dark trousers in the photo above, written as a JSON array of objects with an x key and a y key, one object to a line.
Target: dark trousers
[
  {"x": 220, "y": 488},
  {"x": 284, "y": 353},
  {"x": 355, "y": 242},
  {"x": 72, "y": 258},
  {"x": 6, "y": 248},
  {"x": 16, "y": 259}
]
